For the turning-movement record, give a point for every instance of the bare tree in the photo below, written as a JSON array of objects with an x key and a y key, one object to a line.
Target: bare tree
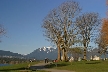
[
  {"x": 59, "y": 25},
  {"x": 102, "y": 39},
  {"x": 102, "y": 46},
  {"x": 88, "y": 24}
]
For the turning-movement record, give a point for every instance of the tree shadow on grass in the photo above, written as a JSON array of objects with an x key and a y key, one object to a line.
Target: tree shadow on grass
[
  {"x": 7, "y": 70},
  {"x": 93, "y": 62},
  {"x": 23, "y": 69},
  {"x": 52, "y": 65},
  {"x": 37, "y": 67},
  {"x": 34, "y": 68}
]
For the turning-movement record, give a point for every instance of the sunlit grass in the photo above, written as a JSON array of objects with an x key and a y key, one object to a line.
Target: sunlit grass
[
  {"x": 22, "y": 67},
  {"x": 17, "y": 66},
  {"x": 83, "y": 66}
]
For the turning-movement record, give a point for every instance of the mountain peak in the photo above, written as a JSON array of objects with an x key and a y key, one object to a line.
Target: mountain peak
[{"x": 43, "y": 52}]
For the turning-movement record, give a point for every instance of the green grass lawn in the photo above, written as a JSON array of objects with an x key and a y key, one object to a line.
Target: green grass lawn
[
  {"x": 83, "y": 66},
  {"x": 22, "y": 67}
]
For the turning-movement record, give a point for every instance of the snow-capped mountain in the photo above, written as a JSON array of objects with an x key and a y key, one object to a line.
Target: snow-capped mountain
[
  {"x": 51, "y": 53},
  {"x": 44, "y": 52}
]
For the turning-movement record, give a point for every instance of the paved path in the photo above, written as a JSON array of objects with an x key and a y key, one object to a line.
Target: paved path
[{"x": 40, "y": 66}]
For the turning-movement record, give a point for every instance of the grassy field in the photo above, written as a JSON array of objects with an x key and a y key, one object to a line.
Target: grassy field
[
  {"x": 83, "y": 66},
  {"x": 22, "y": 67}
]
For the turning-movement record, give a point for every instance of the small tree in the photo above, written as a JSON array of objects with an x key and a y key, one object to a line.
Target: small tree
[
  {"x": 102, "y": 40},
  {"x": 75, "y": 52}
]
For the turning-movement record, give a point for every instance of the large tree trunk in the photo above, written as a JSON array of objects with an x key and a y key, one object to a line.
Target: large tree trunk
[
  {"x": 63, "y": 55},
  {"x": 85, "y": 49},
  {"x": 66, "y": 58},
  {"x": 59, "y": 53}
]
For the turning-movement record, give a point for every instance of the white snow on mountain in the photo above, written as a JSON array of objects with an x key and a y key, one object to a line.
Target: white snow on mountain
[
  {"x": 41, "y": 53},
  {"x": 49, "y": 48},
  {"x": 44, "y": 48}
]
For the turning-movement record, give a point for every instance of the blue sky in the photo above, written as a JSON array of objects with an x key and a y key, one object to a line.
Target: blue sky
[{"x": 22, "y": 20}]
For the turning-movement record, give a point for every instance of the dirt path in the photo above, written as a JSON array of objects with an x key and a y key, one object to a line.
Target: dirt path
[{"x": 40, "y": 66}]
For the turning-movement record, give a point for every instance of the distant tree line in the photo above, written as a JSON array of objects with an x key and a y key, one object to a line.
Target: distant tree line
[{"x": 4, "y": 60}]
